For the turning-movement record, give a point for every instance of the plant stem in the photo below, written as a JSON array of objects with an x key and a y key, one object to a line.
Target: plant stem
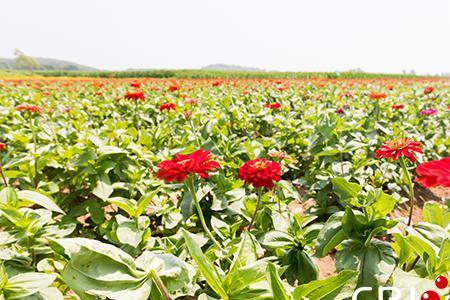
[
  {"x": 190, "y": 184},
  {"x": 135, "y": 118},
  {"x": 413, "y": 264},
  {"x": 258, "y": 204},
  {"x": 410, "y": 188},
  {"x": 3, "y": 175},
  {"x": 35, "y": 156},
  {"x": 194, "y": 132},
  {"x": 160, "y": 284}
]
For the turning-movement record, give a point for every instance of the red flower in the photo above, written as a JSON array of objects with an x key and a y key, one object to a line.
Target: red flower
[
  {"x": 275, "y": 105},
  {"x": 428, "y": 90},
  {"x": 30, "y": 108},
  {"x": 397, "y": 148},
  {"x": 217, "y": 83},
  {"x": 174, "y": 87},
  {"x": 260, "y": 172},
  {"x": 167, "y": 106},
  {"x": 377, "y": 96},
  {"x": 135, "y": 96},
  {"x": 398, "y": 106},
  {"x": 434, "y": 173},
  {"x": 199, "y": 162},
  {"x": 135, "y": 84},
  {"x": 340, "y": 110},
  {"x": 2, "y": 146}
]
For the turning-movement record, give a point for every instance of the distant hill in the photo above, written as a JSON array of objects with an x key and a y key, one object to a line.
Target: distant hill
[
  {"x": 224, "y": 67},
  {"x": 47, "y": 64}
]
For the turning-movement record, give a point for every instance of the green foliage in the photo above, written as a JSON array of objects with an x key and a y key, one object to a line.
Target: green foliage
[{"x": 82, "y": 212}]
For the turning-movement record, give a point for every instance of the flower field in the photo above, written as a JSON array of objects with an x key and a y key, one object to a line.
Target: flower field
[{"x": 224, "y": 188}]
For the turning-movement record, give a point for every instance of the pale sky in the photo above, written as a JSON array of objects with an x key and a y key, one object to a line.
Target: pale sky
[{"x": 292, "y": 35}]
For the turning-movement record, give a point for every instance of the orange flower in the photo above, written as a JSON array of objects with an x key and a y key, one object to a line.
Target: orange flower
[
  {"x": 377, "y": 96},
  {"x": 2, "y": 146}
]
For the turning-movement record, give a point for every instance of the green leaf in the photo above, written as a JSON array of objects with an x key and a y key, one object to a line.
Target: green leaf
[
  {"x": 8, "y": 196},
  {"x": 300, "y": 267},
  {"x": 128, "y": 233},
  {"x": 26, "y": 284},
  {"x": 242, "y": 278},
  {"x": 3, "y": 276},
  {"x": 90, "y": 289},
  {"x": 205, "y": 266},
  {"x": 330, "y": 235},
  {"x": 103, "y": 189},
  {"x": 381, "y": 204},
  {"x": 374, "y": 263},
  {"x": 433, "y": 213},
  {"x": 128, "y": 205},
  {"x": 276, "y": 285},
  {"x": 50, "y": 293},
  {"x": 337, "y": 287},
  {"x": 246, "y": 253},
  {"x": 344, "y": 189},
  {"x": 143, "y": 202},
  {"x": 39, "y": 199},
  {"x": 277, "y": 239}
]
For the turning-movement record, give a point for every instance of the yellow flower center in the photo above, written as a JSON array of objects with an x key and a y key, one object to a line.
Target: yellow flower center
[
  {"x": 184, "y": 162},
  {"x": 260, "y": 165},
  {"x": 397, "y": 144}
]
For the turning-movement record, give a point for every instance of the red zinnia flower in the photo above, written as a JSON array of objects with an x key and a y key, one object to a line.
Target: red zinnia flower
[
  {"x": 174, "y": 87},
  {"x": 2, "y": 146},
  {"x": 135, "y": 96},
  {"x": 217, "y": 83},
  {"x": 428, "y": 90},
  {"x": 135, "y": 84},
  {"x": 260, "y": 172},
  {"x": 397, "y": 148},
  {"x": 30, "y": 108},
  {"x": 398, "y": 106},
  {"x": 434, "y": 173},
  {"x": 199, "y": 162},
  {"x": 377, "y": 96},
  {"x": 275, "y": 105},
  {"x": 340, "y": 110},
  {"x": 167, "y": 106}
]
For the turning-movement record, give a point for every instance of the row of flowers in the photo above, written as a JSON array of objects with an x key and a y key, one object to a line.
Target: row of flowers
[{"x": 262, "y": 173}]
